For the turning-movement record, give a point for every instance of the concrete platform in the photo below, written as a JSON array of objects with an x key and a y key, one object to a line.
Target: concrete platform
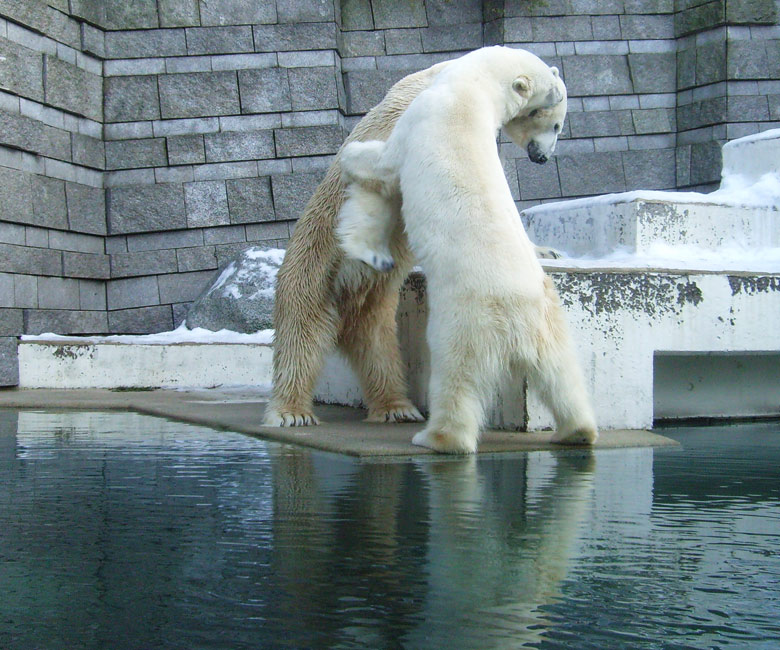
[{"x": 343, "y": 429}]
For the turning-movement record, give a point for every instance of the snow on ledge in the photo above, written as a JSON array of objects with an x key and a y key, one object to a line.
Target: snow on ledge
[{"x": 180, "y": 335}]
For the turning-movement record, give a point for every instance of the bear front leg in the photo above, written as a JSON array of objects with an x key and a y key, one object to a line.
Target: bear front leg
[
  {"x": 456, "y": 392},
  {"x": 557, "y": 376}
]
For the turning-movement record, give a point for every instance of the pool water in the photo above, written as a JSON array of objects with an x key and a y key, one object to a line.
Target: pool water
[{"x": 119, "y": 530}]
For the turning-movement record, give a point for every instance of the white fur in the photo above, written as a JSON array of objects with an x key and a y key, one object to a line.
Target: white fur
[{"x": 491, "y": 309}]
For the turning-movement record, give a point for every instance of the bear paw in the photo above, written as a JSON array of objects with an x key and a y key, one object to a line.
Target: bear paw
[
  {"x": 405, "y": 412},
  {"x": 444, "y": 442},
  {"x": 582, "y": 436},
  {"x": 381, "y": 261},
  {"x": 283, "y": 418},
  {"x": 547, "y": 253}
]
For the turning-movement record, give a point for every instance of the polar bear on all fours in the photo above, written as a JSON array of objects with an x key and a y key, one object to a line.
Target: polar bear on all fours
[{"x": 492, "y": 310}]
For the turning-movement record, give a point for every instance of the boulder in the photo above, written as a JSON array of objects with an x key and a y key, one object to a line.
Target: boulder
[{"x": 241, "y": 298}]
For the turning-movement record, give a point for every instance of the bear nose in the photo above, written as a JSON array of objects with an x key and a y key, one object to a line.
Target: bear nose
[{"x": 536, "y": 154}]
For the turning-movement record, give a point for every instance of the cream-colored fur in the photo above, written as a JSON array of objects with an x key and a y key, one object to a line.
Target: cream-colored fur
[
  {"x": 326, "y": 300},
  {"x": 492, "y": 311}
]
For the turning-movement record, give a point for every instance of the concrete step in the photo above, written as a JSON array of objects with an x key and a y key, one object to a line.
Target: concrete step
[{"x": 661, "y": 343}]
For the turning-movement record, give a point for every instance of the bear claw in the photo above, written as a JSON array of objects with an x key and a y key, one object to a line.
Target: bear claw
[{"x": 290, "y": 419}]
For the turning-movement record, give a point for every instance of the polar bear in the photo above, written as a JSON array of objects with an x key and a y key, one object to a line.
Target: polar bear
[
  {"x": 326, "y": 299},
  {"x": 492, "y": 310}
]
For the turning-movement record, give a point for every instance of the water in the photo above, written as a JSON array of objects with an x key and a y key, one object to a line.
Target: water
[{"x": 119, "y": 530}]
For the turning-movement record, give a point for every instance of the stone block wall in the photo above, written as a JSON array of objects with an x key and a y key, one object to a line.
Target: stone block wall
[{"x": 144, "y": 143}]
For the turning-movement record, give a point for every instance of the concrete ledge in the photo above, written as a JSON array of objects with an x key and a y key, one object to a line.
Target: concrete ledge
[{"x": 343, "y": 429}]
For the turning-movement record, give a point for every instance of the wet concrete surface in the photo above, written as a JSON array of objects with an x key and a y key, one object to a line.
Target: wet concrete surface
[{"x": 342, "y": 429}]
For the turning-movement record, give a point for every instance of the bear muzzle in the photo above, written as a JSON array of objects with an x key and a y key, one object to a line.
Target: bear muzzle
[{"x": 536, "y": 154}]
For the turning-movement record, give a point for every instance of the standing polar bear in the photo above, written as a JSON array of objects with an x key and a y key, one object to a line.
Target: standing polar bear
[
  {"x": 492, "y": 310},
  {"x": 326, "y": 299}
]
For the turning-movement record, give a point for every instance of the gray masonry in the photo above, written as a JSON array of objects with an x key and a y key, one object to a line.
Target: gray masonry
[{"x": 143, "y": 144}]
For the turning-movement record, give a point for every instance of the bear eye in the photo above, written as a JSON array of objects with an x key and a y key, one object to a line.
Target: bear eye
[
  {"x": 533, "y": 113},
  {"x": 557, "y": 128}
]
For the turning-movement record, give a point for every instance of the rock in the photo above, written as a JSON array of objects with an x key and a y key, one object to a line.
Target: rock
[{"x": 241, "y": 298}]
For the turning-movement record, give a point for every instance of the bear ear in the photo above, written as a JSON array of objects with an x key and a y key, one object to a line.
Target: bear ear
[
  {"x": 554, "y": 70},
  {"x": 522, "y": 86}
]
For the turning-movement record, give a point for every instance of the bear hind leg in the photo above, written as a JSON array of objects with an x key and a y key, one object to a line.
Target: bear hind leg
[
  {"x": 557, "y": 377},
  {"x": 370, "y": 343}
]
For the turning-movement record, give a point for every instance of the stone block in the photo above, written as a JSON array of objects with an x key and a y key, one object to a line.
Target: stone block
[
  {"x": 15, "y": 196},
  {"x": 561, "y": 28},
  {"x": 653, "y": 73},
  {"x": 264, "y": 91},
  {"x": 202, "y": 258},
  {"x": 356, "y": 14},
  {"x": 686, "y": 68},
  {"x": 751, "y": 12},
  {"x": 706, "y": 160},
  {"x": 362, "y": 43},
  {"x": 36, "y": 237},
  {"x": 92, "y": 295},
  {"x": 654, "y": 120},
  {"x": 595, "y": 124},
  {"x": 74, "y": 89},
  {"x": 237, "y": 12},
  {"x": 518, "y": 30},
  {"x": 146, "y": 320},
  {"x": 366, "y": 88},
  {"x": 238, "y": 145},
  {"x": 250, "y": 201},
  {"x": 538, "y": 181},
  {"x": 308, "y": 141},
  {"x": 147, "y": 207},
  {"x": 305, "y": 11},
  {"x": 86, "y": 208},
  {"x": 638, "y": 27},
  {"x": 313, "y": 88},
  {"x": 178, "y": 13},
  {"x": 701, "y": 17},
  {"x": 225, "y": 234},
  {"x": 448, "y": 38},
  {"x": 651, "y": 169},
  {"x": 605, "y": 28},
  {"x": 132, "y": 98},
  {"x": 132, "y": 154},
  {"x": 220, "y": 40},
  {"x": 291, "y": 193},
  {"x": 7, "y": 298},
  {"x": 186, "y": 150},
  {"x": 22, "y": 70},
  {"x": 206, "y": 203},
  {"x": 88, "y": 151},
  {"x": 588, "y": 75},
  {"x": 711, "y": 62},
  {"x": 147, "y": 43},
  {"x": 79, "y": 243},
  {"x": 29, "y": 260},
  {"x": 58, "y": 293},
  {"x": 162, "y": 240},
  {"x": 183, "y": 287},
  {"x": 11, "y": 233},
  {"x": 139, "y": 14},
  {"x": 85, "y": 265},
  {"x": 34, "y": 136},
  {"x": 25, "y": 291},
  {"x": 127, "y": 265},
  {"x": 62, "y": 321},
  {"x": 132, "y": 292},
  {"x": 49, "y": 205},
  {"x": 390, "y": 14},
  {"x": 751, "y": 60},
  {"x": 273, "y": 233},
  {"x": 199, "y": 94},
  {"x": 9, "y": 358},
  {"x": 594, "y": 173},
  {"x": 403, "y": 41},
  {"x": 446, "y": 12},
  {"x": 298, "y": 37},
  {"x": 11, "y": 322}
]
